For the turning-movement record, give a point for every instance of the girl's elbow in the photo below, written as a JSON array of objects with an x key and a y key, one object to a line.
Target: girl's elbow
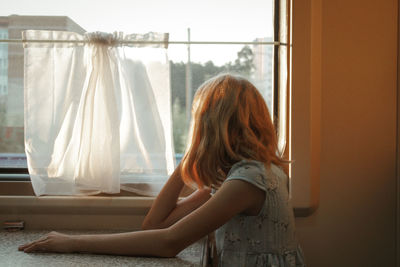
[
  {"x": 172, "y": 244},
  {"x": 169, "y": 252}
]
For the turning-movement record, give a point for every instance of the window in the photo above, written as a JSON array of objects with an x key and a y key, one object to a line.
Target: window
[{"x": 206, "y": 38}]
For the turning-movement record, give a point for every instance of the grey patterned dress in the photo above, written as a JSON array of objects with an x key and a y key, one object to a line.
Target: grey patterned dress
[{"x": 267, "y": 239}]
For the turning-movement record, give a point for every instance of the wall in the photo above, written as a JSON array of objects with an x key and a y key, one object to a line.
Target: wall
[{"x": 355, "y": 223}]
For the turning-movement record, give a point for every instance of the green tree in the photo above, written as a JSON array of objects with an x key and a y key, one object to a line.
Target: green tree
[
  {"x": 243, "y": 64},
  {"x": 203, "y": 72},
  {"x": 178, "y": 91}
]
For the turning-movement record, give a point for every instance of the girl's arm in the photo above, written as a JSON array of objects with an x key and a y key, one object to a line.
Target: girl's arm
[
  {"x": 166, "y": 209},
  {"x": 233, "y": 197},
  {"x": 165, "y": 201},
  {"x": 141, "y": 243},
  {"x": 182, "y": 208}
]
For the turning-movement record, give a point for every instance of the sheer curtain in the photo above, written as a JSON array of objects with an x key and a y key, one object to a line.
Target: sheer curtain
[{"x": 97, "y": 112}]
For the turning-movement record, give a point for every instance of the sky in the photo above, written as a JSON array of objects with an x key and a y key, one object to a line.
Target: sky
[{"x": 209, "y": 20}]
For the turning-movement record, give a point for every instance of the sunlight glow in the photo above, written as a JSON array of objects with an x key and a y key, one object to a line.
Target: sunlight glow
[{"x": 222, "y": 20}]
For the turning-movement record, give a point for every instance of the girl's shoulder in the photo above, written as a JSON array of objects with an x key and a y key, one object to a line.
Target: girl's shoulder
[{"x": 256, "y": 173}]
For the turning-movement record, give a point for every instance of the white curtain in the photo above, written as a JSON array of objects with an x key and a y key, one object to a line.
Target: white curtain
[{"x": 97, "y": 112}]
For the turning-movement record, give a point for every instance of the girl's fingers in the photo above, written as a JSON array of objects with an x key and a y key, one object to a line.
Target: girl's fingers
[
  {"x": 49, "y": 242},
  {"x": 36, "y": 247},
  {"x": 22, "y": 247}
]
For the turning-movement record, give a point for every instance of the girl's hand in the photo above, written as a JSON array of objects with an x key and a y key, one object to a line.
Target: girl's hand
[{"x": 52, "y": 242}]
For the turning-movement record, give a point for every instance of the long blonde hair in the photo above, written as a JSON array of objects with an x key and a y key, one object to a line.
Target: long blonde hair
[{"x": 231, "y": 122}]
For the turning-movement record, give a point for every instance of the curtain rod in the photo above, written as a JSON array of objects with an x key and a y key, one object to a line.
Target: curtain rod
[{"x": 144, "y": 42}]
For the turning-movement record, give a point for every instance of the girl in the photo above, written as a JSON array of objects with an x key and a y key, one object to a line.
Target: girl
[{"x": 233, "y": 152}]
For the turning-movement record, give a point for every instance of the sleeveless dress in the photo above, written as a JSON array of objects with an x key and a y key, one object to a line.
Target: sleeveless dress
[{"x": 267, "y": 239}]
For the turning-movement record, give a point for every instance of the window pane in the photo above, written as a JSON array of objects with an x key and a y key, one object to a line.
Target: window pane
[
  {"x": 11, "y": 107},
  {"x": 253, "y": 62},
  {"x": 175, "y": 17}
]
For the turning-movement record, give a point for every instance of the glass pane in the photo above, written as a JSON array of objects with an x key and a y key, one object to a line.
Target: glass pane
[
  {"x": 255, "y": 63},
  {"x": 175, "y": 17},
  {"x": 262, "y": 76},
  {"x": 11, "y": 106}
]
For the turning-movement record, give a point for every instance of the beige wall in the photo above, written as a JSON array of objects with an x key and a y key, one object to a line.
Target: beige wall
[{"x": 355, "y": 224}]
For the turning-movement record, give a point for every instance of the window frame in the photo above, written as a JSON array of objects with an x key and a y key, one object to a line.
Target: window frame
[
  {"x": 305, "y": 114},
  {"x": 303, "y": 106}
]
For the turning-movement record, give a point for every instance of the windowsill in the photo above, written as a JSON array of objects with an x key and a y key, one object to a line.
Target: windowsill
[{"x": 123, "y": 211}]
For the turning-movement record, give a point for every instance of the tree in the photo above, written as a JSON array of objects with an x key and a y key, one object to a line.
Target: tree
[
  {"x": 203, "y": 72},
  {"x": 178, "y": 90},
  {"x": 244, "y": 62}
]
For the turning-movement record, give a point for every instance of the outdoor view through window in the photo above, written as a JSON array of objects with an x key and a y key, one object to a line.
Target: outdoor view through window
[{"x": 190, "y": 63}]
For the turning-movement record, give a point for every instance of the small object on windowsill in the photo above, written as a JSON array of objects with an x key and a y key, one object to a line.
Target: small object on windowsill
[{"x": 14, "y": 226}]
